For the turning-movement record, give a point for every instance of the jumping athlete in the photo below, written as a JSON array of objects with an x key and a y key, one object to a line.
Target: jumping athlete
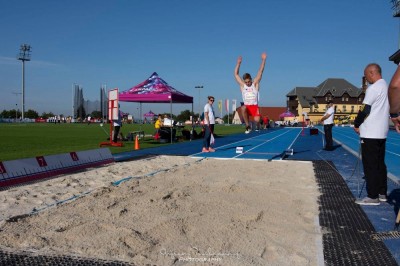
[{"x": 249, "y": 89}]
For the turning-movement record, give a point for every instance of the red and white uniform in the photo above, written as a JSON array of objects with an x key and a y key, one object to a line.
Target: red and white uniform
[
  {"x": 250, "y": 95},
  {"x": 250, "y": 99}
]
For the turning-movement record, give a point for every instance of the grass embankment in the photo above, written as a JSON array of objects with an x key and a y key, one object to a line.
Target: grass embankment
[{"x": 20, "y": 140}]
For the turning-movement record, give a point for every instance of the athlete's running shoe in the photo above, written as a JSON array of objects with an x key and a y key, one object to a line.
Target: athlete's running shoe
[{"x": 247, "y": 130}]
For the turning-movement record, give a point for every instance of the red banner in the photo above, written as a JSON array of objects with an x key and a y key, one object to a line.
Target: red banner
[{"x": 40, "y": 120}]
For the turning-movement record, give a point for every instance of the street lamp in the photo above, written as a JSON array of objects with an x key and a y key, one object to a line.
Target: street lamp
[
  {"x": 24, "y": 55},
  {"x": 199, "y": 87}
]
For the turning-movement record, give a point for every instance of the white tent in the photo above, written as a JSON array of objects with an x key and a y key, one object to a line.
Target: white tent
[{"x": 236, "y": 119}]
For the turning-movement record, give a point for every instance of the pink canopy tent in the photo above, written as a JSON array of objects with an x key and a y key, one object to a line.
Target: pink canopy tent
[
  {"x": 155, "y": 90},
  {"x": 149, "y": 114},
  {"x": 286, "y": 114}
]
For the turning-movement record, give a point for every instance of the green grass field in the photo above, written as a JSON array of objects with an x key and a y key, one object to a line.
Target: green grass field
[{"x": 26, "y": 140}]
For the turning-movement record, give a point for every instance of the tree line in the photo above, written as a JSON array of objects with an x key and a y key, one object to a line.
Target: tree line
[{"x": 32, "y": 114}]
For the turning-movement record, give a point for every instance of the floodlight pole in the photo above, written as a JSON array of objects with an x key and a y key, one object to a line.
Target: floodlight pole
[
  {"x": 24, "y": 55},
  {"x": 199, "y": 87},
  {"x": 16, "y": 105}
]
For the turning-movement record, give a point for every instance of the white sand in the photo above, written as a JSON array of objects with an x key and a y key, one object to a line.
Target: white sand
[{"x": 213, "y": 212}]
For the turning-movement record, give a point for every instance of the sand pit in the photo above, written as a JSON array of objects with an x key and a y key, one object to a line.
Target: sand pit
[{"x": 174, "y": 211}]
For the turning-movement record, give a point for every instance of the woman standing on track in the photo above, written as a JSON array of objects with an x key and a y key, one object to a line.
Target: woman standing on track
[{"x": 209, "y": 121}]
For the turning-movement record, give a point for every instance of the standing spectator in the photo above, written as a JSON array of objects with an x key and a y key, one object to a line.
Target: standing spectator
[
  {"x": 327, "y": 119},
  {"x": 117, "y": 126},
  {"x": 89, "y": 118},
  {"x": 157, "y": 125},
  {"x": 209, "y": 121},
  {"x": 372, "y": 124}
]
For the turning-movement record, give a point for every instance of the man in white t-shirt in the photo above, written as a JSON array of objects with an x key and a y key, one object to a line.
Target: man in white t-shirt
[
  {"x": 209, "y": 121},
  {"x": 327, "y": 119},
  {"x": 372, "y": 124}
]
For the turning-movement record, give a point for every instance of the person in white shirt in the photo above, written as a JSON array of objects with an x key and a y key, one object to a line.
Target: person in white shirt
[
  {"x": 250, "y": 89},
  {"x": 327, "y": 119},
  {"x": 117, "y": 127},
  {"x": 209, "y": 121},
  {"x": 372, "y": 124}
]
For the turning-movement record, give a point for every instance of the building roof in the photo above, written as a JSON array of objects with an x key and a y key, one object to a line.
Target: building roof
[
  {"x": 305, "y": 95},
  {"x": 335, "y": 86}
]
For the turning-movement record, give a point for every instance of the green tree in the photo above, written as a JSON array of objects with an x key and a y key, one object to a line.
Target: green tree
[
  {"x": 81, "y": 112},
  {"x": 47, "y": 115},
  {"x": 11, "y": 114},
  {"x": 225, "y": 118},
  {"x": 184, "y": 115},
  {"x": 31, "y": 114},
  {"x": 5, "y": 114},
  {"x": 96, "y": 114}
]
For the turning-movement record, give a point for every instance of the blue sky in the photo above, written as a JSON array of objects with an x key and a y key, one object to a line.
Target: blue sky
[{"x": 188, "y": 43}]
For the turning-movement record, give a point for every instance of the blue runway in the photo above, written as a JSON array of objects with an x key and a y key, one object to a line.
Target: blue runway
[
  {"x": 265, "y": 146},
  {"x": 348, "y": 138}
]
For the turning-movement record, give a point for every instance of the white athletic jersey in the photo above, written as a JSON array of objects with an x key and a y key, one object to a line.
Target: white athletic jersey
[
  {"x": 210, "y": 110},
  {"x": 376, "y": 125},
  {"x": 250, "y": 95},
  {"x": 329, "y": 120}
]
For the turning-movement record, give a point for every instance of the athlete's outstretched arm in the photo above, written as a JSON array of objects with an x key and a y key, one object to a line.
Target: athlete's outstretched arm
[
  {"x": 394, "y": 99},
  {"x": 257, "y": 79},
  {"x": 237, "y": 77}
]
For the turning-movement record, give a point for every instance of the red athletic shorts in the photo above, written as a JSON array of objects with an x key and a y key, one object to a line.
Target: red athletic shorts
[{"x": 253, "y": 110}]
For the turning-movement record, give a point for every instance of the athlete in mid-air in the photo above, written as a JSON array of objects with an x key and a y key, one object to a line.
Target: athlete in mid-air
[{"x": 250, "y": 89}]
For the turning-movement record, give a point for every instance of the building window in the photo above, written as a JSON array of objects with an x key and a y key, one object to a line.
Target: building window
[
  {"x": 344, "y": 108},
  {"x": 352, "y": 108}
]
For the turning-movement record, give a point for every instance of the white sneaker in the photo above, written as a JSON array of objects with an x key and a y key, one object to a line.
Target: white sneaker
[
  {"x": 368, "y": 201},
  {"x": 247, "y": 130},
  {"x": 382, "y": 198}
]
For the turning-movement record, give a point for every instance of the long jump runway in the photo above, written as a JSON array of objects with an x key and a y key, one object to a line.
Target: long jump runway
[{"x": 266, "y": 146}]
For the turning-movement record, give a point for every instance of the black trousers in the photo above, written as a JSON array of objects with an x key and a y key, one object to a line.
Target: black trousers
[
  {"x": 328, "y": 136},
  {"x": 116, "y": 132},
  {"x": 373, "y": 159},
  {"x": 207, "y": 135}
]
